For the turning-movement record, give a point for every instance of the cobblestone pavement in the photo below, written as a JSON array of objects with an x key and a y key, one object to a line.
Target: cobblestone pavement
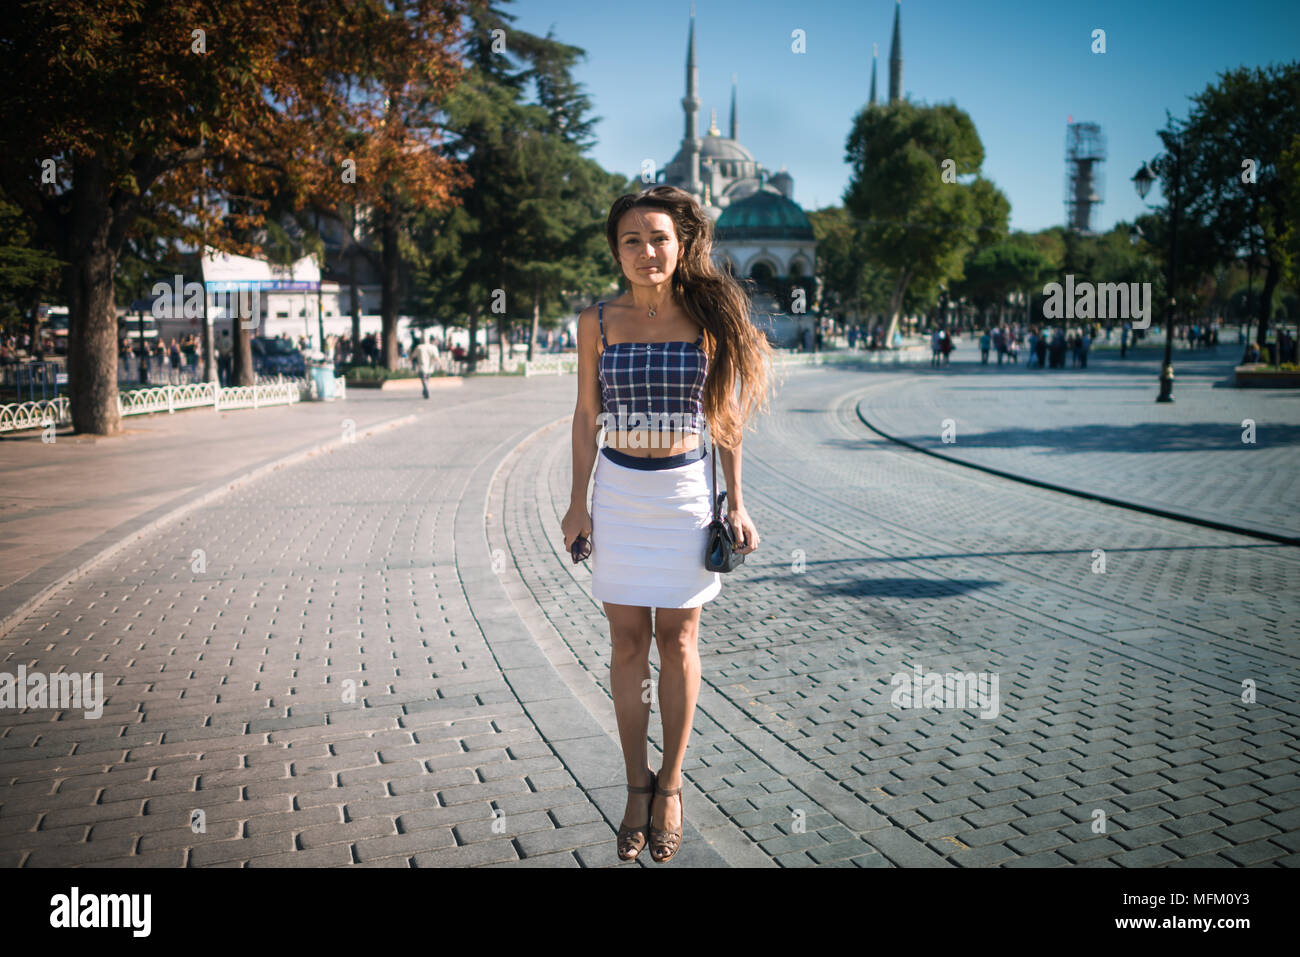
[
  {"x": 422, "y": 565},
  {"x": 69, "y": 501},
  {"x": 1120, "y": 692},
  {"x": 1100, "y": 430}
]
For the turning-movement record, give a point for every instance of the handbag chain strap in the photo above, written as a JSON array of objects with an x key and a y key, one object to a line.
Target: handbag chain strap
[{"x": 717, "y": 499}]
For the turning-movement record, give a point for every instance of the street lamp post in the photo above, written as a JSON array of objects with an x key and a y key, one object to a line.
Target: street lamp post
[{"x": 1142, "y": 181}]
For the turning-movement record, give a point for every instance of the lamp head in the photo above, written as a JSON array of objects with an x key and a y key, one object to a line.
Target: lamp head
[{"x": 1143, "y": 179}]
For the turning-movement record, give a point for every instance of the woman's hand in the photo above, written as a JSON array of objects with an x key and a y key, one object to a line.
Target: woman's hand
[
  {"x": 576, "y": 521},
  {"x": 746, "y": 533}
]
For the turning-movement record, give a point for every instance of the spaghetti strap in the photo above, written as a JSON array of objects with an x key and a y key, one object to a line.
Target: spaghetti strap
[
  {"x": 700, "y": 338},
  {"x": 600, "y": 312}
]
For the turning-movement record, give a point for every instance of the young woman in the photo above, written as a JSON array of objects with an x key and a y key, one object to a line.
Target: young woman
[{"x": 675, "y": 353}]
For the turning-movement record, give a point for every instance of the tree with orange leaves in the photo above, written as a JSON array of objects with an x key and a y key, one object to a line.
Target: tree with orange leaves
[{"x": 121, "y": 110}]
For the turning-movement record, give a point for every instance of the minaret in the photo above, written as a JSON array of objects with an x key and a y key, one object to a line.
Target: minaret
[
  {"x": 733, "y": 106},
  {"x": 691, "y": 105},
  {"x": 874, "y": 54},
  {"x": 896, "y": 58}
]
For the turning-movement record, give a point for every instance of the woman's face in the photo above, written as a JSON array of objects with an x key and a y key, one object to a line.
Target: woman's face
[{"x": 647, "y": 246}]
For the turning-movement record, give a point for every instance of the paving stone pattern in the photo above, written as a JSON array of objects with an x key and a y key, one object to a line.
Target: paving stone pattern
[
  {"x": 1121, "y": 692},
  {"x": 1100, "y": 430},
  {"x": 228, "y": 688},
  {"x": 423, "y": 567}
]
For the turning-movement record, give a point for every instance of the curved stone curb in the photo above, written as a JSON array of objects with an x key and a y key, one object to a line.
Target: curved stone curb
[
  {"x": 1081, "y": 493},
  {"x": 586, "y": 733},
  {"x": 23, "y": 597}
]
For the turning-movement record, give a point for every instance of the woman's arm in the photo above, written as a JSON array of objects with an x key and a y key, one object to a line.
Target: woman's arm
[
  {"x": 729, "y": 459},
  {"x": 746, "y": 533},
  {"x": 586, "y": 414}
]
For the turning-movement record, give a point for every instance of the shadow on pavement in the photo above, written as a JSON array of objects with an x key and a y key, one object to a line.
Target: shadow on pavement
[
  {"x": 945, "y": 556},
  {"x": 1142, "y": 437},
  {"x": 906, "y": 588}
]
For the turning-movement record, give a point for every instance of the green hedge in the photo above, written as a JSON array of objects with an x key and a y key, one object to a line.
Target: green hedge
[{"x": 378, "y": 373}]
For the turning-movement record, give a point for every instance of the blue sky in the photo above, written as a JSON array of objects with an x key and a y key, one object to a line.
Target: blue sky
[{"x": 1019, "y": 68}]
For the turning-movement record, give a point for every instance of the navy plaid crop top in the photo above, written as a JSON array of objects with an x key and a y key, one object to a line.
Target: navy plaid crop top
[{"x": 651, "y": 380}]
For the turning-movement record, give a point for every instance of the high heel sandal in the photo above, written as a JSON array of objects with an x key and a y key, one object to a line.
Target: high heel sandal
[
  {"x": 633, "y": 839},
  {"x": 663, "y": 839}
]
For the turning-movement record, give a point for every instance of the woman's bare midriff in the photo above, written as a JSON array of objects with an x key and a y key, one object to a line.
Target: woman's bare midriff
[{"x": 652, "y": 445}]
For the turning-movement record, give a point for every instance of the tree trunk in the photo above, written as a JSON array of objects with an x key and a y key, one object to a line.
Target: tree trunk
[
  {"x": 473, "y": 339},
  {"x": 320, "y": 305},
  {"x": 34, "y": 326},
  {"x": 896, "y": 302},
  {"x": 242, "y": 346},
  {"x": 356, "y": 303},
  {"x": 537, "y": 315},
  {"x": 207, "y": 346},
  {"x": 501, "y": 342},
  {"x": 1271, "y": 278},
  {"x": 391, "y": 261},
  {"x": 92, "y": 320}
]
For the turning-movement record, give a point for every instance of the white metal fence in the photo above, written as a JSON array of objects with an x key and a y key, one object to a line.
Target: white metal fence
[{"x": 19, "y": 416}]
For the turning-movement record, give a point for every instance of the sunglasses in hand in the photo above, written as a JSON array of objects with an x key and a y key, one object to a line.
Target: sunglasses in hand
[{"x": 580, "y": 549}]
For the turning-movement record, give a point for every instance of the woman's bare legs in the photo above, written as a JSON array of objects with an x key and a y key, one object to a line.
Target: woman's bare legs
[
  {"x": 629, "y": 676},
  {"x": 676, "y": 636}
]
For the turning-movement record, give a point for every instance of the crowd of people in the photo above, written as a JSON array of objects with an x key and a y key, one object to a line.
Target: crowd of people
[
  {"x": 1281, "y": 351},
  {"x": 1044, "y": 347},
  {"x": 17, "y": 346},
  {"x": 862, "y": 337},
  {"x": 175, "y": 361}
]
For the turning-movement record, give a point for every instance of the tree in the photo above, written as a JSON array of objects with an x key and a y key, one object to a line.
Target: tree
[
  {"x": 1288, "y": 165},
  {"x": 26, "y": 272},
  {"x": 993, "y": 272},
  {"x": 851, "y": 280},
  {"x": 531, "y": 227},
  {"x": 1235, "y": 147},
  {"x": 561, "y": 248},
  {"x": 918, "y": 218},
  {"x": 131, "y": 116}
]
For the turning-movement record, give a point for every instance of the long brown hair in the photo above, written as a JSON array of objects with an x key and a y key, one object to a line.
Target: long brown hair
[{"x": 739, "y": 354}]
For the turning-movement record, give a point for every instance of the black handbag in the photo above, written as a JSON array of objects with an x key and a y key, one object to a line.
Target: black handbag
[{"x": 721, "y": 554}]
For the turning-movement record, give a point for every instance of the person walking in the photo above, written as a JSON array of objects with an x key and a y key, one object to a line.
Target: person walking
[
  {"x": 945, "y": 344},
  {"x": 984, "y": 348},
  {"x": 174, "y": 357},
  {"x": 676, "y": 352},
  {"x": 425, "y": 358},
  {"x": 223, "y": 358}
]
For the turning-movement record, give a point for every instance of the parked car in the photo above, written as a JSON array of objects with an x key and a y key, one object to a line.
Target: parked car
[{"x": 277, "y": 357}]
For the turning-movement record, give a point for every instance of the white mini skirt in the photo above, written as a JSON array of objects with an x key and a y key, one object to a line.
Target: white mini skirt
[{"x": 649, "y": 532}]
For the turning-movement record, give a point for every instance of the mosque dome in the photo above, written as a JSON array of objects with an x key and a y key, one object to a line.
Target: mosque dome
[
  {"x": 764, "y": 214},
  {"x": 715, "y": 148},
  {"x": 719, "y": 147}
]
